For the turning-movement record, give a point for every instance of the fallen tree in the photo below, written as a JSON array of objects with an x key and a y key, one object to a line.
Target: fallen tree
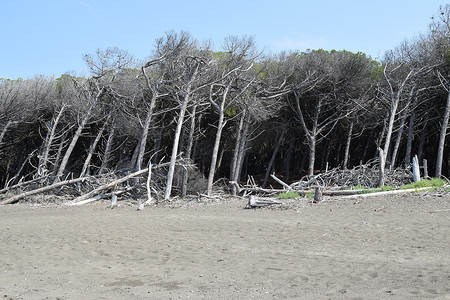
[{"x": 16, "y": 198}]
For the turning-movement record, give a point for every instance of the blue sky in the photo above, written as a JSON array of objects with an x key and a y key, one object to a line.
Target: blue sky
[{"x": 49, "y": 37}]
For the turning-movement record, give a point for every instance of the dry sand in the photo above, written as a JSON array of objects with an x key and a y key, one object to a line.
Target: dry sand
[{"x": 377, "y": 248}]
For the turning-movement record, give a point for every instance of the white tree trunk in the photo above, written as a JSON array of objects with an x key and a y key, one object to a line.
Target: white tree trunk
[
  {"x": 48, "y": 143},
  {"x": 347, "y": 146},
  {"x": 176, "y": 140},
  {"x": 72, "y": 144},
  {"x": 190, "y": 143},
  {"x": 215, "y": 152},
  {"x": 444, "y": 126},
  {"x": 108, "y": 149},
  {"x": 87, "y": 162}
]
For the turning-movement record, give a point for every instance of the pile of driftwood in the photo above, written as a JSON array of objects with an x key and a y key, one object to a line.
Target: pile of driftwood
[
  {"x": 146, "y": 186},
  {"x": 335, "y": 182},
  {"x": 143, "y": 184}
]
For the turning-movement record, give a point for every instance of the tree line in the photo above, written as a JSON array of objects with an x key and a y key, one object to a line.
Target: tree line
[{"x": 232, "y": 112}]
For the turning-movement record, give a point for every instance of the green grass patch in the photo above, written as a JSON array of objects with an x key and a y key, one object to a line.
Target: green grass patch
[
  {"x": 433, "y": 182},
  {"x": 288, "y": 195}
]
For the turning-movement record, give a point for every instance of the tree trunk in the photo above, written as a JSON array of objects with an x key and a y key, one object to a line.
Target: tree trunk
[
  {"x": 42, "y": 168},
  {"x": 237, "y": 144},
  {"x": 215, "y": 151},
  {"x": 443, "y": 133},
  {"x": 143, "y": 141},
  {"x": 4, "y": 130},
  {"x": 409, "y": 140},
  {"x": 274, "y": 155},
  {"x": 60, "y": 150},
  {"x": 311, "y": 155},
  {"x": 176, "y": 140},
  {"x": 72, "y": 144},
  {"x": 87, "y": 162},
  {"x": 389, "y": 129},
  {"x": 347, "y": 146},
  {"x": 108, "y": 149},
  {"x": 381, "y": 166},
  {"x": 188, "y": 151},
  {"x": 379, "y": 141},
  {"x": 242, "y": 150},
  {"x": 287, "y": 165},
  {"x": 423, "y": 136}
]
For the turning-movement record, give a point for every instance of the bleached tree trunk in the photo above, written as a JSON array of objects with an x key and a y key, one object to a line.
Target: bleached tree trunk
[
  {"x": 176, "y": 140},
  {"x": 72, "y": 144},
  {"x": 60, "y": 150},
  {"x": 215, "y": 152},
  {"x": 42, "y": 168},
  {"x": 442, "y": 135},
  {"x": 381, "y": 166},
  {"x": 401, "y": 126},
  {"x": 241, "y": 152},
  {"x": 108, "y": 149},
  {"x": 224, "y": 105},
  {"x": 77, "y": 134},
  {"x": 190, "y": 143},
  {"x": 234, "y": 159},
  {"x": 145, "y": 129},
  {"x": 4, "y": 130},
  {"x": 347, "y": 146},
  {"x": 87, "y": 162},
  {"x": 394, "y": 102}
]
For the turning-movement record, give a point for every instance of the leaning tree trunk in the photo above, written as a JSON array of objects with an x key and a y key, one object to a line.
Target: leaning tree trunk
[
  {"x": 143, "y": 142},
  {"x": 389, "y": 130},
  {"x": 402, "y": 124},
  {"x": 190, "y": 143},
  {"x": 108, "y": 149},
  {"x": 236, "y": 152},
  {"x": 215, "y": 152},
  {"x": 347, "y": 146},
  {"x": 4, "y": 130},
  {"x": 176, "y": 140},
  {"x": 87, "y": 162},
  {"x": 423, "y": 136},
  {"x": 72, "y": 144},
  {"x": 287, "y": 165},
  {"x": 409, "y": 140},
  {"x": 48, "y": 142},
  {"x": 241, "y": 152},
  {"x": 272, "y": 159},
  {"x": 444, "y": 126}
]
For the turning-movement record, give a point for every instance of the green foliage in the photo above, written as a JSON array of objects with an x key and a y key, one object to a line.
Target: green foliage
[
  {"x": 288, "y": 195},
  {"x": 231, "y": 111}
]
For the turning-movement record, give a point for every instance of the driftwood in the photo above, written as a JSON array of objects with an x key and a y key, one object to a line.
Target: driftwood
[
  {"x": 388, "y": 193},
  {"x": 20, "y": 184},
  {"x": 317, "y": 195},
  {"x": 88, "y": 196},
  {"x": 253, "y": 202},
  {"x": 16, "y": 198}
]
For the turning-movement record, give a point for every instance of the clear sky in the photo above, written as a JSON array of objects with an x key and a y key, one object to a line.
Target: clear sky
[{"x": 49, "y": 37}]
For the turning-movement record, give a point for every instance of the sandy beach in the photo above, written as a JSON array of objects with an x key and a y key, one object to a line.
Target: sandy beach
[{"x": 376, "y": 248}]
